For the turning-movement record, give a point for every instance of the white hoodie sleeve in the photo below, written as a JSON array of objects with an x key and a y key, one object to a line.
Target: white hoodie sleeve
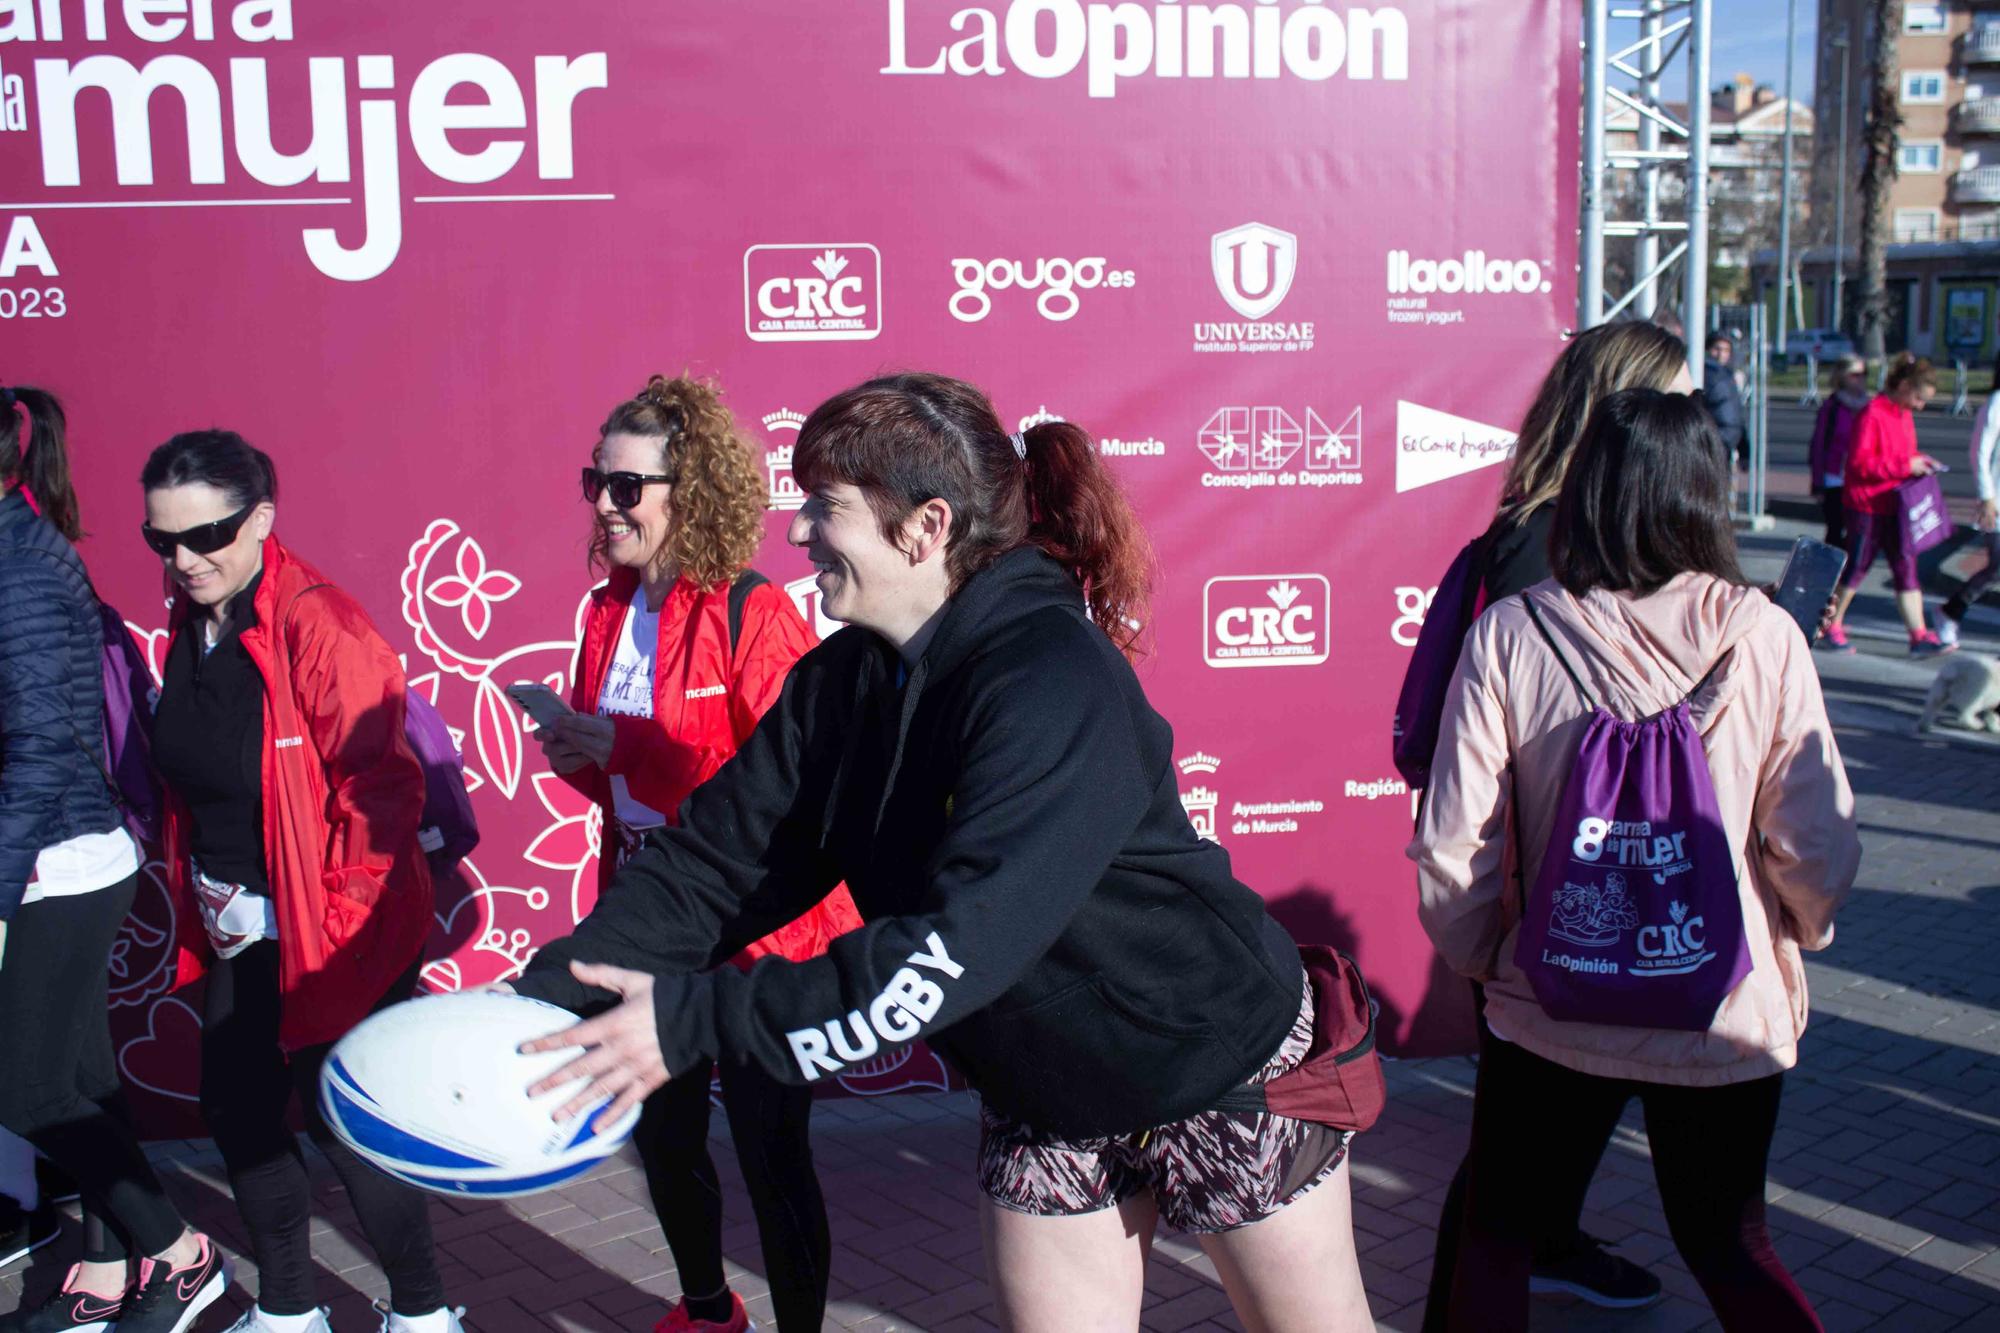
[{"x": 1986, "y": 447}]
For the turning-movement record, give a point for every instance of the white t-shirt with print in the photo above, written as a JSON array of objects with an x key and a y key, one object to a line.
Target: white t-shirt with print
[{"x": 628, "y": 692}]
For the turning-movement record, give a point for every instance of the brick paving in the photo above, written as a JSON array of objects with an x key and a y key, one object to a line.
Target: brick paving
[{"x": 1884, "y": 1183}]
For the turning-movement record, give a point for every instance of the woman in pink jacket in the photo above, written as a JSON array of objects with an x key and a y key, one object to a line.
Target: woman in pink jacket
[{"x": 1646, "y": 599}]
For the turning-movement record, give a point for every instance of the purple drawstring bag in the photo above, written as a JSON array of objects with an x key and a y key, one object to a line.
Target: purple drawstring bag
[
  {"x": 128, "y": 752},
  {"x": 1461, "y": 596},
  {"x": 449, "y": 830},
  {"x": 1635, "y": 918},
  {"x": 1920, "y": 510}
]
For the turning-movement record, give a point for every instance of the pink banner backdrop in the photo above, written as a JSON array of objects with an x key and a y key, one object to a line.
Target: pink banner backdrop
[{"x": 1296, "y": 264}]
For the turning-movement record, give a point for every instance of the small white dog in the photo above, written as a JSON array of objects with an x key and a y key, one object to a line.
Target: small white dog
[{"x": 1969, "y": 684}]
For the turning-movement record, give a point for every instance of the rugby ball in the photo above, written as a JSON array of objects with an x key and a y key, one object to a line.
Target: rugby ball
[{"x": 434, "y": 1091}]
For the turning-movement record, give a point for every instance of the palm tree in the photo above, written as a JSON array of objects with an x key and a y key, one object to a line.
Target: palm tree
[{"x": 1878, "y": 174}]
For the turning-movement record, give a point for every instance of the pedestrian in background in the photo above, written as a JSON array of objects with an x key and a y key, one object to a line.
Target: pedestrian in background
[{"x": 1832, "y": 438}]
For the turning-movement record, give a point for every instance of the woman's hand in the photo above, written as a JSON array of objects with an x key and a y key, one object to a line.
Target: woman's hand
[
  {"x": 1988, "y": 515},
  {"x": 562, "y": 756},
  {"x": 621, "y": 1047},
  {"x": 576, "y": 739},
  {"x": 1923, "y": 465}
]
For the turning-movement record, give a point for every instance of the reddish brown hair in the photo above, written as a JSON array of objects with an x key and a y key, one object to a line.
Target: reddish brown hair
[
  {"x": 1908, "y": 368},
  {"x": 905, "y": 439},
  {"x": 718, "y": 498}
]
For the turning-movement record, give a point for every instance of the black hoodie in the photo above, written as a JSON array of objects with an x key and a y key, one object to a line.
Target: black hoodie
[{"x": 1037, "y": 905}]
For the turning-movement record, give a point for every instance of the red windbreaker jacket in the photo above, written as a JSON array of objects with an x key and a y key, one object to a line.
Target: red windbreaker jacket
[
  {"x": 1885, "y": 444},
  {"x": 343, "y": 795},
  {"x": 707, "y": 698}
]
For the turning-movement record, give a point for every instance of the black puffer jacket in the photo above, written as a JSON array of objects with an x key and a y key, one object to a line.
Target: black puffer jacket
[
  {"x": 51, "y": 699},
  {"x": 1038, "y": 906}
]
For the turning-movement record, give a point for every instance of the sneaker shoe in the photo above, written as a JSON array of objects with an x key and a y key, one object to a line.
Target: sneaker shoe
[
  {"x": 254, "y": 1320},
  {"x": 167, "y": 1300},
  {"x": 1835, "y": 639},
  {"x": 678, "y": 1320},
  {"x": 1588, "y": 1270},
  {"x": 66, "y": 1311},
  {"x": 25, "y": 1230},
  {"x": 1928, "y": 644},
  {"x": 1947, "y": 631},
  {"x": 442, "y": 1320}
]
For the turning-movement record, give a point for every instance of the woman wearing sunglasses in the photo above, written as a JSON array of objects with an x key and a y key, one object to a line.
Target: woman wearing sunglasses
[
  {"x": 290, "y": 844},
  {"x": 684, "y": 648},
  {"x": 68, "y": 870}
]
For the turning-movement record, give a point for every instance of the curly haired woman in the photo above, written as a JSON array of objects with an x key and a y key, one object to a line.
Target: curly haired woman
[{"x": 684, "y": 648}]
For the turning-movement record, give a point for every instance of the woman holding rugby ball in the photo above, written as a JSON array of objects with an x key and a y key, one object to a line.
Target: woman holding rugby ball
[{"x": 976, "y": 759}]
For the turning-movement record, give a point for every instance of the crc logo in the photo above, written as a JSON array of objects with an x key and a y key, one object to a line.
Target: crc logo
[
  {"x": 1200, "y": 800},
  {"x": 1266, "y": 620},
  {"x": 785, "y": 492},
  {"x": 1674, "y": 949},
  {"x": 1058, "y": 281},
  {"x": 1266, "y": 439},
  {"x": 1254, "y": 266},
  {"x": 812, "y": 293},
  {"x": 1473, "y": 275},
  {"x": 806, "y": 597},
  {"x": 1412, "y": 605}
]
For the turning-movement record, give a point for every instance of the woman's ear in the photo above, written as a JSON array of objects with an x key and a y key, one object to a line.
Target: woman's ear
[
  {"x": 263, "y": 520},
  {"x": 927, "y": 531}
]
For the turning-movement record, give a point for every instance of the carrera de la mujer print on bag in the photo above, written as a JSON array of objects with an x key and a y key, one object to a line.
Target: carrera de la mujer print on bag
[{"x": 1634, "y": 918}]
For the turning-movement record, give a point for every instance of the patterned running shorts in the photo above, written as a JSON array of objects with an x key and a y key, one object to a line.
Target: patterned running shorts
[{"x": 1213, "y": 1171}]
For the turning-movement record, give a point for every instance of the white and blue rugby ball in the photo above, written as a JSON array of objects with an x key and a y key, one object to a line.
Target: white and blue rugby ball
[{"x": 434, "y": 1092}]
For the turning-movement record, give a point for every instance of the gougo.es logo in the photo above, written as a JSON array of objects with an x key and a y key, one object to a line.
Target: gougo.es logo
[{"x": 1057, "y": 282}]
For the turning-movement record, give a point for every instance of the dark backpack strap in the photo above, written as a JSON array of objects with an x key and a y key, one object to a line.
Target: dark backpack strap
[
  {"x": 739, "y": 596},
  {"x": 1550, "y": 640}
]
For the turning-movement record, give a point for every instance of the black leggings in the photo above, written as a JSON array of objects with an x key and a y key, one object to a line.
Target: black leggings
[
  {"x": 1982, "y": 578},
  {"x": 1710, "y": 1148},
  {"x": 59, "y": 1086},
  {"x": 247, "y": 1084},
  {"x": 770, "y": 1122}
]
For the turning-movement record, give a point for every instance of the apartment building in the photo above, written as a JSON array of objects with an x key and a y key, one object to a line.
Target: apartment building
[{"x": 1944, "y": 260}]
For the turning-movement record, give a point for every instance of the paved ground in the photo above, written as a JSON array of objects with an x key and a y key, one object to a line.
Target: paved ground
[{"x": 1885, "y": 1180}]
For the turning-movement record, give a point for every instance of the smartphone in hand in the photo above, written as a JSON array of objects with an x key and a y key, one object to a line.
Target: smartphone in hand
[
  {"x": 1808, "y": 582},
  {"x": 538, "y": 701}
]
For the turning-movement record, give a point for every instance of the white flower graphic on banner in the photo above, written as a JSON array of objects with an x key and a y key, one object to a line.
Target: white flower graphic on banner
[
  {"x": 572, "y": 842},
  {"x": 473, "y": 589}
]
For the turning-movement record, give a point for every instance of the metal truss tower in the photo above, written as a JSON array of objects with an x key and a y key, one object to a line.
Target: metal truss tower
[{"x": 1629, "y": 54}]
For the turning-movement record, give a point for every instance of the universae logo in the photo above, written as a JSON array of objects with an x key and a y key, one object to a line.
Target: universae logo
[
  {"x": 827, "y": 291},
  {"x": 1267, "y": 620}
]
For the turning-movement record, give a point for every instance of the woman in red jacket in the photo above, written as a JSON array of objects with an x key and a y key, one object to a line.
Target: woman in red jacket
[
  {"x": 684, "y": 648},
  {"x": 291, "y": 849},
  {"x": 1884, "y": 456}
]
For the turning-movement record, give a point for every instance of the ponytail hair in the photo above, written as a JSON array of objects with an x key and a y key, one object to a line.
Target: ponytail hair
[
  {"x": 905, "y": 439},
  {"x": 1909, "y": 368},
  {"x": 34, "y": 455}
]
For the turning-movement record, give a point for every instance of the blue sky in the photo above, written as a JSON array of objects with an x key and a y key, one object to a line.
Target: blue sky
[{"x": 1749, "y": 35}]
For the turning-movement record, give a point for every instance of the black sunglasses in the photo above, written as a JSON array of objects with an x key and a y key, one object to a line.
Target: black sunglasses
[
  {"x": 625, "y": 487},
  {"x": 202, "y": 538}
]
